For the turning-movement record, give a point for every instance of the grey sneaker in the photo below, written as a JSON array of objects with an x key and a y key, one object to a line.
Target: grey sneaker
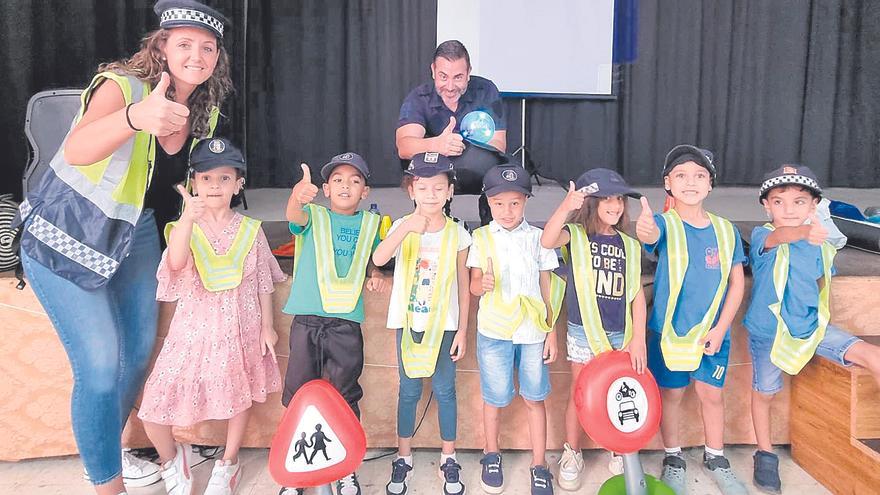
[
  {"x": 718, "y": 468},
  {"x": 675, "y": 474}
]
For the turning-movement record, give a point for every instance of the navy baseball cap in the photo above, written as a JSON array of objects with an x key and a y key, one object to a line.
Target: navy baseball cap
[
  {"x": 604, "y": 183},
  {"x": 348, "y": 158},
  {"x": 178, "y": 13},
  {"x": 211, "y": 153},
  {"x": 507, "y": 177},
  {"x": 688, "y": 153},
  {"x": 790, "y": 175},
  {"x": 430, "y": 164}
]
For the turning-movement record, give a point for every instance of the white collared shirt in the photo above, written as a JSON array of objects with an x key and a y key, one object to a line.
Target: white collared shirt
[{"x": 519, "y": 260}]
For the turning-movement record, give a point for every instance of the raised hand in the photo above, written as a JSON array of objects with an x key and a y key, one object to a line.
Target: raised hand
[
  {"x": 818, "y": 233},
  {"x": 450, "y": 143},
  {"x": 574, "y": 199},
  {"x": 646, "y": 227},
  {"x": 416, "y": 222},
  {"x": 193, "y": 206},
  {"x": 157, "y": 114},
  {"x": 488, "y": 282},
  {"x": 304, "y": 191}
]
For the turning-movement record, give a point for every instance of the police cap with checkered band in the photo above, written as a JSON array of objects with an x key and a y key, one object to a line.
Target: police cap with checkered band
[{"x": 179, "y": 13}]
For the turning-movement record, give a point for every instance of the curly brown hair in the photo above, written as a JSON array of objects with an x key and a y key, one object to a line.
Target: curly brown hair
[{"x": 147, "y": 65}]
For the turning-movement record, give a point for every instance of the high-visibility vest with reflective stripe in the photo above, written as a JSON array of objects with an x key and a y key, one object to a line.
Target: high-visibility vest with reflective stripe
[
  {"x": 220, "y": 272},
  {"x": 585, "y": 286},
  {"x": 420, "y": 359},
  {"x": 790, "y": 353},
  {"x": 80, "y": 219},
  {"x": 685, "y": 353},
  {"x": 338, "y": 294},
  {"x": 503, "y": 318}
]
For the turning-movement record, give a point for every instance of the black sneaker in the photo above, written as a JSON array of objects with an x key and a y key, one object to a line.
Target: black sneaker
[
  {"x": 399, "y": 473},
  {"x": 450, "y": 474},
  {"x": 348, "y": 485},
  {"x": 491, "y": 475},
  {"x": 766, "y": 476},
  {"x": 542, "y": 481}
]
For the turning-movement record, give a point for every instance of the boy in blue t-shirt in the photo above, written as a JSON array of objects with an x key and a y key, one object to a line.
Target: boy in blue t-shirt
[
  {"x": 332, "y": 255},
  {"x": 698, "y": 287},
  {"x": 790, "y": 256}
]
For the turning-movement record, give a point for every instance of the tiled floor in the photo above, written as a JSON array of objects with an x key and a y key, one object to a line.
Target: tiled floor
[{"x": 63, "y": 476}]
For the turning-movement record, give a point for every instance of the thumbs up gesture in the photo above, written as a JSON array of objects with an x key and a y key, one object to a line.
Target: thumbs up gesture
[
  {"x": 416, "y": 222},
  {"x": 818, "y": 233},
  {"x": 304, "y": 191},
  {"x": 646, "y": 227},
  {"x": 157, "y": 114},
  {"x": 574, "y": 199},
  {"x": 193, "y": 206},
  {"x": 450, "y": 143},
  {"x": 488, "y": 282}
]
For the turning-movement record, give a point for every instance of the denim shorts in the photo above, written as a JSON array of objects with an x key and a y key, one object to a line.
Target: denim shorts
[
  {"x": 578, "y": 348},
  {"x": 767, "y": 378},
  {"x": 497, "y": 360}
]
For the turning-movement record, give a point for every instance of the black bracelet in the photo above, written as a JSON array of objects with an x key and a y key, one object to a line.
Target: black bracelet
[{"x": 128, "y": 119}]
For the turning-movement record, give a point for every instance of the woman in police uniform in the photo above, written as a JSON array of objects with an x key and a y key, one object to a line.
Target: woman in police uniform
[{"x": 90, "y": 245}]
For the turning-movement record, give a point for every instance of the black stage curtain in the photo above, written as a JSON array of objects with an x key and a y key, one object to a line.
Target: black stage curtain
[{"x": 758, "y": 82}]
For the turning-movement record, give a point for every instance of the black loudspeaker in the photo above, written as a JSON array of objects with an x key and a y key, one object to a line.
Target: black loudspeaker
[
  {"x": 49, "y": 118},
  {"x": 472, "y": 165}
]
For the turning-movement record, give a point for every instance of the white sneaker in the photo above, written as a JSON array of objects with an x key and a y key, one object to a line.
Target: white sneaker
[
  {"x": 225, "y": 478},
  {"x": 136, "y": 472},
  {"x": 571, "y": 465},
  {"x": 615, "y": 464},
  {"x": 176, "y": 473}
]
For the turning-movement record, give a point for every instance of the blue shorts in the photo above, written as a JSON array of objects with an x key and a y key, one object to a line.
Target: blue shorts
[
  {"x": 712, "y": 369},
  {"x": 767, "y": 378},
  {"x": 577, "y": 347},
  {"x": 497, "y": 360}
]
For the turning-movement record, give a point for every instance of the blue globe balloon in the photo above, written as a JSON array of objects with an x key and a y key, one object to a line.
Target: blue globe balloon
[{"x": 477, "y": 126}]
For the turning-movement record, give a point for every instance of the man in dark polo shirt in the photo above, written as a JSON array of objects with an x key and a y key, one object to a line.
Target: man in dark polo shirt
[{"x": 431, "y": 113}]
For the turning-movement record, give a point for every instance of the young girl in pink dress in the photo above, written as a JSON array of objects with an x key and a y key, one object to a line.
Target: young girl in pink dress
[{"x": 218, "y": 358}]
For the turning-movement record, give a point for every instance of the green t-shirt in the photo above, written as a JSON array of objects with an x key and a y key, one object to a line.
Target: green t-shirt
[{"x": 305, "y": 298}]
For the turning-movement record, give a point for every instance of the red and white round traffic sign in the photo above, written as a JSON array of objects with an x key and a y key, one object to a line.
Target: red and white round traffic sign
[{"x": 618, "y": 408}]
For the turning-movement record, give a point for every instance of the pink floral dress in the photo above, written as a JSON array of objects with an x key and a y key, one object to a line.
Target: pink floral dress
[{"x": 210, "y": 366}]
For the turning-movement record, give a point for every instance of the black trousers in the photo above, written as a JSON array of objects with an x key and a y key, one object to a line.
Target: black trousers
[{"x": 325, "y": 347}]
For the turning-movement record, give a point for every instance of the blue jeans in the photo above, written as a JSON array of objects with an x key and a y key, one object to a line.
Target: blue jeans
[
  {"x": 498, "y": 358},
  {"x": 108, "y": 334},
  {"x": 578, "y": 348},
  {"x": 443, "y": 385},
  {"x": 767, "y": 378}
]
